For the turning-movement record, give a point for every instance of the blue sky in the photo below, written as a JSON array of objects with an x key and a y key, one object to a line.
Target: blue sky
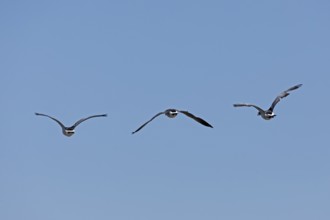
[{"x": 133, "y": 59}]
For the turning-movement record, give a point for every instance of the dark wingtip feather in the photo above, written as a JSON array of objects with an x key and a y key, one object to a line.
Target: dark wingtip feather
[
  {"x": 208, "y": 125},
  {"x": 241, "y": 105},
  {"x": 203, "y": 122},
  {"x": 295, "y": 87}
]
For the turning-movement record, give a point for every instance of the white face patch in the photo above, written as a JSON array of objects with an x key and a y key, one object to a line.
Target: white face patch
[
  {"x": 68, "y": 132},
  {"x": 172, "y": 114}
]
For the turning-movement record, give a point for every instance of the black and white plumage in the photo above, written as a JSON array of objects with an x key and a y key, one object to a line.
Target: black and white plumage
[
  {"x": 69, "y": 131},
  {"x": 269, "y": 114},
  {"x": 172, "y": 113}
]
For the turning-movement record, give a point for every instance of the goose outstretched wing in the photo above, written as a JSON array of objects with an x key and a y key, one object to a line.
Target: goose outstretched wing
[
  {"x": 58, "y": 122},
  {"x": 249, "y": 105},
  {"x": 199, "y": 120},
  {"x": 283, "y": 95},
  {"x": 84, "y": 119},
  {"x": 158, "y": 114}
]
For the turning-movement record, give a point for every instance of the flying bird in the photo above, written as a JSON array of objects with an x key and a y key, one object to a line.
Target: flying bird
[
  {"x": 269, "y": 114},
  {"x": 69, "y": 131},
  {"x": 172, "y": 113}
]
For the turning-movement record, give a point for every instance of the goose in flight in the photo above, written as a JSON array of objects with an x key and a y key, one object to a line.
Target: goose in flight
[
  {"x": 269, "y": 114},
  {"x": 69, "y": 131},
  {"x": 172, "y": 113}
]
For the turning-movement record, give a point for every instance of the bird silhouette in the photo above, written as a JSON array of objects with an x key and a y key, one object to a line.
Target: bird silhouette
[
  {"x": 269, "y": 113},
  {"x": 172, "y": 113},
  {"x": 69, "y": 131}
]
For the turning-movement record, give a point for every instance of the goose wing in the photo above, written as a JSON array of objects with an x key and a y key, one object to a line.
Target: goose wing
[
  {"x": 58, "y": 122},
  {"x": 84, "y": 119},
  {"x": 199, "y": 120},
  {"x": 158, "y": 114},
  {"x": 249, "y": 105},
  {"x": 283, "y": 95}
]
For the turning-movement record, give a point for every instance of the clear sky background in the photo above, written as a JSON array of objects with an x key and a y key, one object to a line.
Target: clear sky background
[{"x": 133, "y": 59}]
